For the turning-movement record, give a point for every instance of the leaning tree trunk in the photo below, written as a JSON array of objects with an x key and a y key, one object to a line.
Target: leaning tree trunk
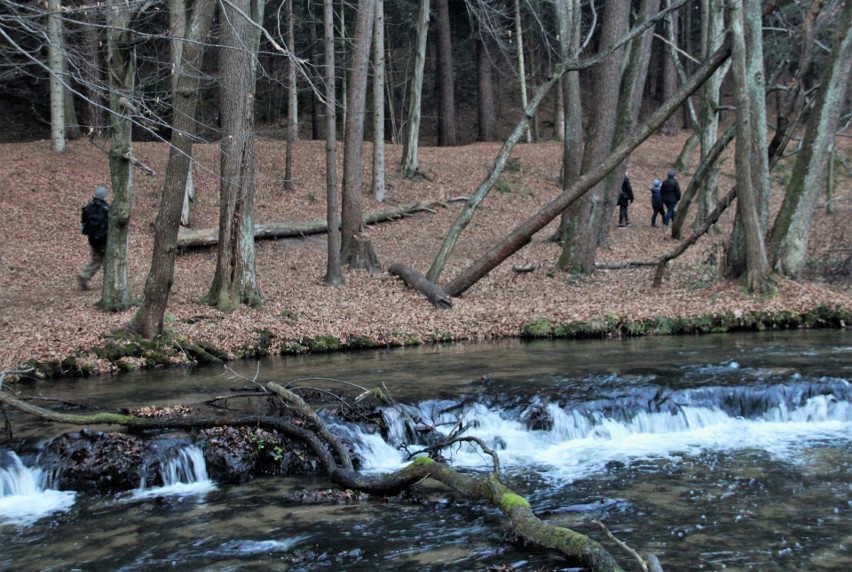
[
  {"x": 148, "y": 320},
  {"x": 447, "y": 130},
  {"x": 748, "y": 193},
  {"x": 334, "y": 273},
  {"x": 522, "y": 234},
  {"x": 580, "y": 249},
  {"x": 412, "y": 131},
  {"x": 235, "y": 280},
  {"x": 121, "y": 67},
  {"x": 351, "y": 221},
  {"x": 788, "y": 242}
]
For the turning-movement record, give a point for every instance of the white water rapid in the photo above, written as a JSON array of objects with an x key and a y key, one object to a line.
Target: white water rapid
[
  {"x": 25, "y": 494},
  {"x": 581, "y": 441}
]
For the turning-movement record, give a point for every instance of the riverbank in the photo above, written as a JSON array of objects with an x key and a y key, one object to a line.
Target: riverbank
[{"x": 49, "y": 322}]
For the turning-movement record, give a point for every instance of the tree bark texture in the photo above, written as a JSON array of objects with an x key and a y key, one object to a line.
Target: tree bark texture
[
  {"x": 235, "y": 281},
  {"x": 447, "y": 130},
  {"x": 334, "y": 272},
  {"x": 121, "y": 65},
  {"x": 351, "y": 221},
  {"x": 579, "y": 250},
  {"x": 434, "y": 293},
  {"x": 57, "y": 77},
  {"x": 379, "y": 103},
  {"x": 292, "y": 99},
  {"x": 148, "y": 321},
  {"x": 788, "y": 241},
  {"x": 410, "y": 163},
  {"x": 486, "y": 115}
]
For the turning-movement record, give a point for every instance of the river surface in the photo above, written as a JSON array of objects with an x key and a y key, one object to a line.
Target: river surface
[{"x": 713, "y": 452}]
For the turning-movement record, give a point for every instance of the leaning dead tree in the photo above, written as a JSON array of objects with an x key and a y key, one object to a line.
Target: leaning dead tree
[{"x": 334, "y": 457}]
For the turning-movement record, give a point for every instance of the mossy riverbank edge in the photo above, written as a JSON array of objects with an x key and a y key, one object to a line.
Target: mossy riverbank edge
[{"x": 121, "y": 351}]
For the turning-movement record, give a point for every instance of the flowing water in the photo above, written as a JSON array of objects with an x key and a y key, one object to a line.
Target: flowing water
[{"x": 716, "y": 452}]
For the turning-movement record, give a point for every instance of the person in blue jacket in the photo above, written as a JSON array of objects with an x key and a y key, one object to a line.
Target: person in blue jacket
[{"x": 657, "y": 202}]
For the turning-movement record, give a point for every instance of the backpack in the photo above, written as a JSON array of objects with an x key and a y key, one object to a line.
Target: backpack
[{"x": 96, "y": 221}]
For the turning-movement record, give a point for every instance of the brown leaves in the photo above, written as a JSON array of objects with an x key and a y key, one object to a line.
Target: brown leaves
[{"x": 46, "y": 317}]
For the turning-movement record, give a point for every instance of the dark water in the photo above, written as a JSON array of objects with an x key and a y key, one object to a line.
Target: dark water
[{"x": 716, "y": 452}]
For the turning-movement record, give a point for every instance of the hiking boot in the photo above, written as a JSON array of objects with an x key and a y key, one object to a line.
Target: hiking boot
[{"x": 83, "y": 283}]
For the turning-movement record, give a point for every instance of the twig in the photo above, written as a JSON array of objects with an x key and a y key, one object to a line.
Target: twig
[{"x": 622, "y": 545}]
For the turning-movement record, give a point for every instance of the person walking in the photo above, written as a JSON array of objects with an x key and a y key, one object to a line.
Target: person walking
[
  {"x": 94, "y": 223},
  {"x": 657, "y": 202},
  {"x": 624, "y": 200},
  {"x": 670, "y": 189}
]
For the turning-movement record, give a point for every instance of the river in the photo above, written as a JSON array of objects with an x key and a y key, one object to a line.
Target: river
[{"x": 713, "y": 452}]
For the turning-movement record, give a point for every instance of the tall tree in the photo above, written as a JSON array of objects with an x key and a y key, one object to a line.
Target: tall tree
[
  {"x": 235, "y": 279},
  {"x": 410, "y": 162},
  {"x": 148, "y": 320},
  {"x": 178, "y": 17},
  {"x": 379, "y": 103},
  {"x": 356, "y": 252},
  {"x": 712, "y": 36},
  {"x": 522, "y": 73},
  {"x": 788, "y": 242},
  {"x": 334, "y": 274},
  {"x": 121, "y": 62},
  {"x": 57, "y": 77},
  {"x": 486, "y": 115},
  {"x": 668, "y": 81},
  {"x": 748, "y": 157},
  {"x": 447, "y": 129},
  {"x": 292, "y": 98},
  {"x": 580, "y": 246}
]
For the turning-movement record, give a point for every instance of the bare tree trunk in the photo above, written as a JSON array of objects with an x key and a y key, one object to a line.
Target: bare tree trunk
[
  {"x": 334, "y": 273},
  {"x": 235, "y": 280},
  {"x": 379, "y": 103},
  {"x": 748, "y": 208},
  {"x": 485, "y": 93},
  {"x": 292, "y": 100},
  {"x": 122, "y": 70},
  {"x": 409, "y": 153},
  {"x": 568, "y": 16},
  {"x": 522, "y": 74},
  {"x": 91, "y": 70},
  {"x": 178, "y": 14},
  {"x": 788, "y": 242},
  {"x": 669, "y": 78},
  {"x": 629, "y": 104},
  {"x": 447, "y": 130},
  {"x": 148, "y": 320},
  {"x": 316, "y": 104},
  {"x": 351, "y": 221},
  {"x": 713, "y": 34},
  {"x": 57, "y": 77},
  {"x": 580, "y": 248}
]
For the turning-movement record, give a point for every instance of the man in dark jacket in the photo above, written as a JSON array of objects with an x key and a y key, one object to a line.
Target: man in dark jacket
[
  {"x": 94, "y": 223},
  {"x": 671, "y": 195},
  {"x": 624, "y": 199}
]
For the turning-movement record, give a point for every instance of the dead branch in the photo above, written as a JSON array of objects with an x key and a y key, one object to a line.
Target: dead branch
[
  {"x": 210, "y": 236},
  {"x": 413, "y": 279}
]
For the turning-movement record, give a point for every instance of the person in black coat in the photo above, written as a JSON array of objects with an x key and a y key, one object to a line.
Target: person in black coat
[
  {"x": 94, "y": 223},
  {"x": 657, "y": 201},
  {"x": 624, "y": 199},
  {"x": 670, "y": 190}
]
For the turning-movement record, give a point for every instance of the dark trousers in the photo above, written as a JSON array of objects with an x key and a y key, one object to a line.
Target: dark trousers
[
  {"x": 670, "y": 213},
  {"x": 658, "y": 211},
  {"x": 622, "y": 215}
]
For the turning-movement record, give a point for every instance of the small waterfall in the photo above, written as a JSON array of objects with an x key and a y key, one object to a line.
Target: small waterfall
[
  {"x": 182, "y": 470},
  {"x": 624, "y": 426},
  {"x": 25, "y": 495}
]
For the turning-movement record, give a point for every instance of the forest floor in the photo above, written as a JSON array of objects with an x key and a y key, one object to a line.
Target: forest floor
[{"x": 46, "y": 317}]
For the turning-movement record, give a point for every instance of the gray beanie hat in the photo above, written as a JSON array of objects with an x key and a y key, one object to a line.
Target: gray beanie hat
[
  {"x": 100, "y": 193},
  {"x": 672, "y": 173}
]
